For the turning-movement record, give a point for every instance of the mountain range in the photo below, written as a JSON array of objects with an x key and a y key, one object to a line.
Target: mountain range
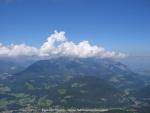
[{"x": 66, "y": 82}]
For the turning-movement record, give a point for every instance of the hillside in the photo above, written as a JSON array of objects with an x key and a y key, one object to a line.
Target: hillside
[{"x": 69, "y": 83}]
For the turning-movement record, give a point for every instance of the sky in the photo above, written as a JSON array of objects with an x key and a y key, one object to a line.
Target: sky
[{"x": 115, "y": 25}]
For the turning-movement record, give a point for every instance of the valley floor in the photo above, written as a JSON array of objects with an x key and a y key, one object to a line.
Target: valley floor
[{"x": 100, "y": 110}]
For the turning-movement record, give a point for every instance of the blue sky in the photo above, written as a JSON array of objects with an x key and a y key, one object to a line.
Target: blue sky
[{"x": 120, "y": 25}]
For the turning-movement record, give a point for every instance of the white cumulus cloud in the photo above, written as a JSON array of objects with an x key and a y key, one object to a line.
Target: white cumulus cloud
[
  {"x": 57, "y": 44},
  {"x": 17, "y": 50},
  {"x": 48, "y": 48}
]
